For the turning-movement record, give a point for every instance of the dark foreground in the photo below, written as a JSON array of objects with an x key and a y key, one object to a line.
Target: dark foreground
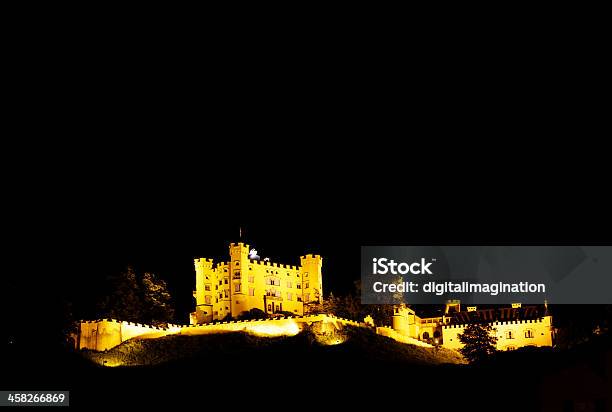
[{"x": 239, "y": 371}]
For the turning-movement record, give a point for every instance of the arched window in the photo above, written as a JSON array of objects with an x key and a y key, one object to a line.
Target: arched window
[
  {"x": 529, "y": 333},
  {"x": 509, "y": 335},
  {"x": 425, "y": 335}
]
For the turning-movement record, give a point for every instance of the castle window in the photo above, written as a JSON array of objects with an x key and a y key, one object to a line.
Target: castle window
[
  {"x": 509, "y": 335},
  {"x": 225, "y": 293},
  {"x": 289, "y": 284},
  {"x": 276, "y": 282},
  {"x": 306, "y": 285},
  {"x": 269, "y": 308},
  {"x": 306, "y": 297},
  {"x": 225, "y": 281},
  {"x": 305, "y": 274},
  {"x": 298, "y": 286},
  {"x": 425, "y": 335},
  {"x": 220, "y": 282},
  {"x": 237, "y": 263},
  {"x": 529, "y": 333},
  {"x": 251, "y": 279},
  {"x": 251, "y": 291},
  {"x": 238, "y": 287},
  {"x": 277, "y": 293},
  {"x": 289, "y": 296},
  {"x": 207, "y": 299},
  {"x": 299, "y": 299},
  {"x": 207, "y": 288}
]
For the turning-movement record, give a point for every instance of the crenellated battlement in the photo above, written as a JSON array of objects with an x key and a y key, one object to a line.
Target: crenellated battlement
[
  {"x": 103, "y": 334},
  {"x": 239, "y": 244},
  {"x": 497, "y": 323},
  {"x": 273, "y": 264},
  {"x": 310, "y": 256},
  {"x": 204, "y": 262}
]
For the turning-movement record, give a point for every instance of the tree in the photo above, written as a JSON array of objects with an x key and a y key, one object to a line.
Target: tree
[
  {"x": 252, "y": 314},
  {"x": 350, "y": 307},
  {"x": 157, "y": 308},
  {"x": 122, "y": 300},
  {"x": 478, "y": 342},
  {"x": 135, "y": 298}
]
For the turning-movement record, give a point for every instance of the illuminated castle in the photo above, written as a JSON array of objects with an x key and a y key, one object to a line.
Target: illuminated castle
[
  {"x": 515, "y": 326},
  {"x": 229, "y": 289}
]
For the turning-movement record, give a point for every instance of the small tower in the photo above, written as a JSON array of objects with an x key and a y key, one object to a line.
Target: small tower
[
  {"x": 312, "y": 278},
  {"x": 400, "y": 319},
  {"x": 238, "y": 266},
  {"x": 205, "y": 276}
]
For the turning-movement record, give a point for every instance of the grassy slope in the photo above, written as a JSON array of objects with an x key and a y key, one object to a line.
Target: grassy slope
[{"x": 362, "y": 345}]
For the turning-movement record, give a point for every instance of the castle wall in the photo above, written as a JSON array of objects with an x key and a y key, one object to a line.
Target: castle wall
[
  {"x": 107, "y": 333},
  {"x": 104, "y": 334},
  {"x": 510, "y": 334}
]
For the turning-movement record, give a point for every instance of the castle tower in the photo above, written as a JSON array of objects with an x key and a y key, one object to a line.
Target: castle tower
[
  {"x": 205, "y": 278},
  {"x": 238, "y": 268},
  {"x": 312, "y": 278},
  {"x": 400, "y": 319}
]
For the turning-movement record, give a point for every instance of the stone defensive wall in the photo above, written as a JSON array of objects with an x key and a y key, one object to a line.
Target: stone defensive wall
[
  {"x": 104, "y": 334},
  {"x": 510, "y": 334}
]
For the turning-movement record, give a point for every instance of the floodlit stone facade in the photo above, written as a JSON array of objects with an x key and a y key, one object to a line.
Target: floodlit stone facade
[
  {"x": 514, "y": 326},
  {"x": 229, "y": 289}
]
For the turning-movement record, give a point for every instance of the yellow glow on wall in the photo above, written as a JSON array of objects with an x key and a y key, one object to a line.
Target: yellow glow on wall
[{"x": 286, "y": 329}]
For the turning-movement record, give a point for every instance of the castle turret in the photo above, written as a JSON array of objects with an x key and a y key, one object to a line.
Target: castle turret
[
  {"x": 400, "y": 319},
  {"x": 238, "y": 265},
  {"x": 205, "y": 277},
  {"x": 312, "y": 278}
]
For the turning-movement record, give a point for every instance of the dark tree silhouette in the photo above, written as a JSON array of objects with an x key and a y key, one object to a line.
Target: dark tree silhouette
[
  {"x": 478, "y": 342},
  {"x": 135, "y": 298}
]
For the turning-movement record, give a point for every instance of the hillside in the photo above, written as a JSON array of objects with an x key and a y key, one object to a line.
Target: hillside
[{"x": 351, "y": 344}]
